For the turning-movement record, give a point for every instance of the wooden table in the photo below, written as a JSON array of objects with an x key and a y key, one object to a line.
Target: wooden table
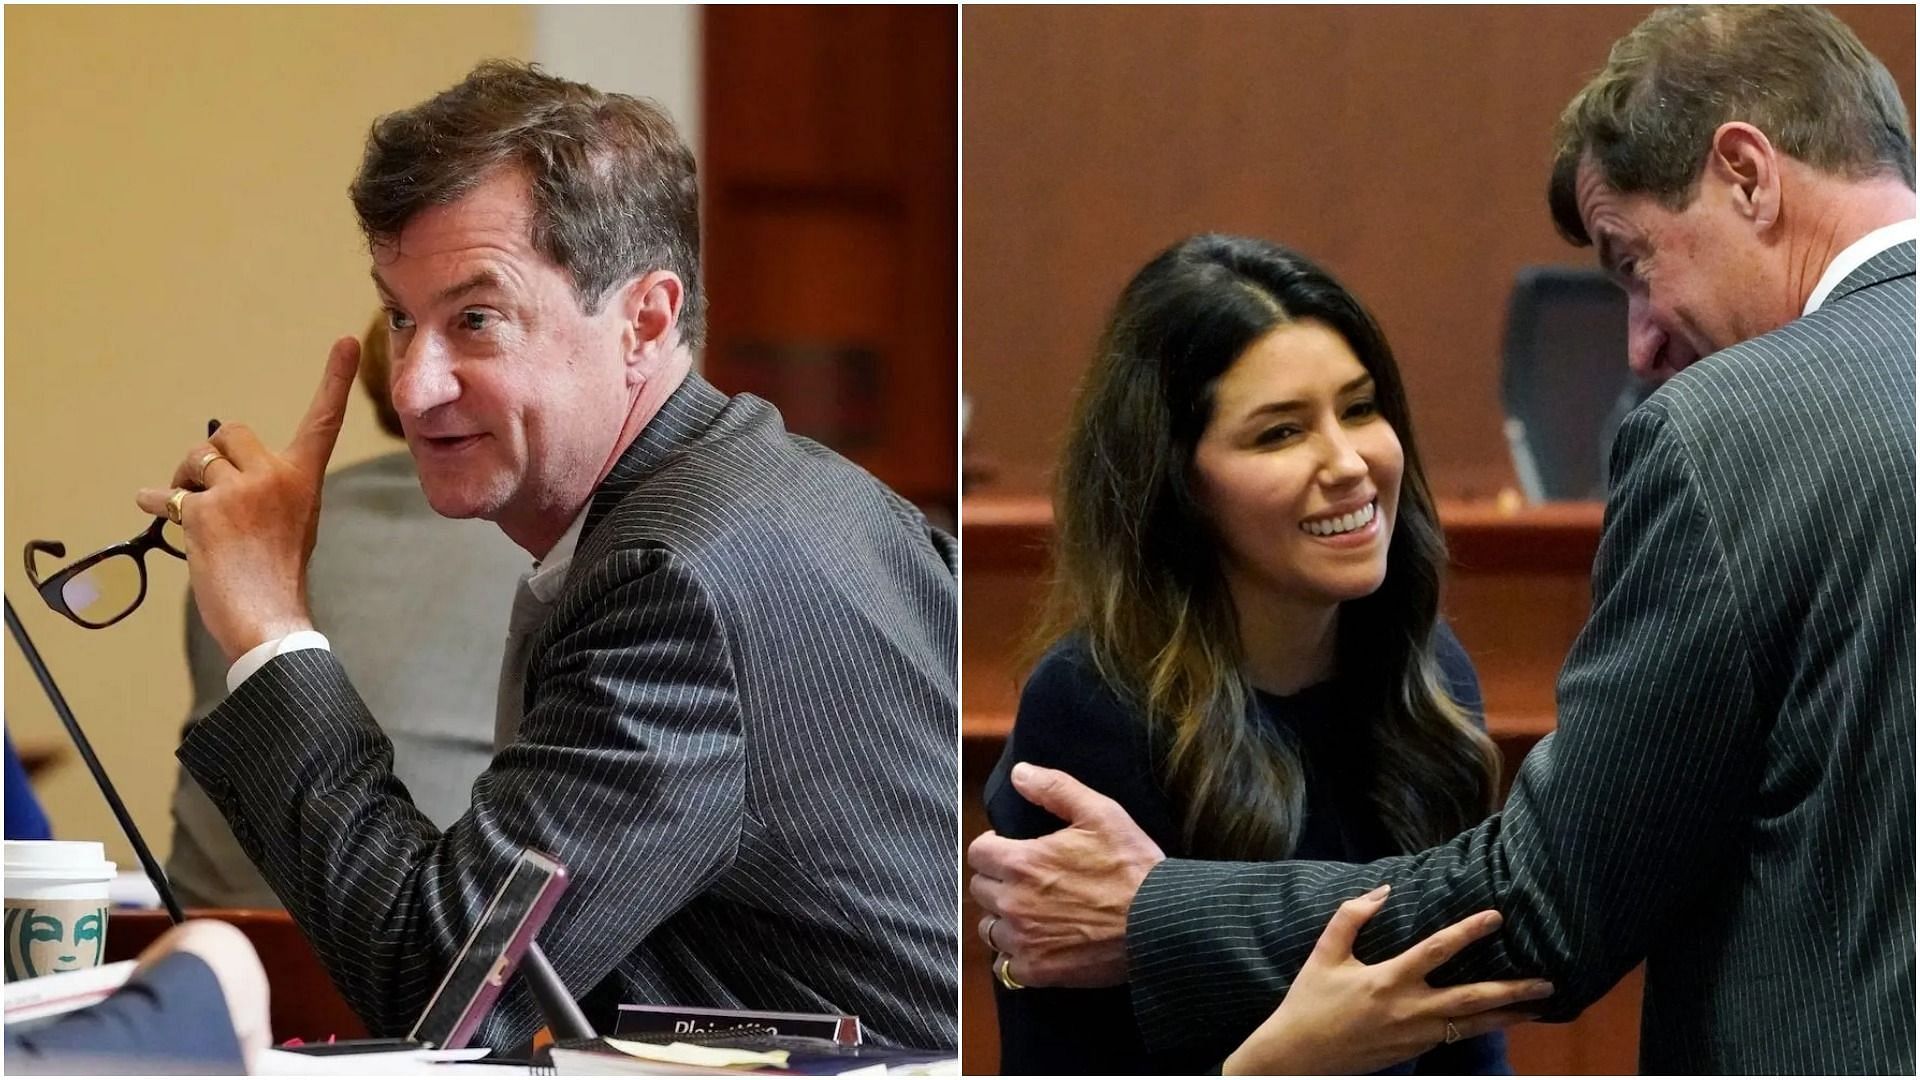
[{"x": 1516, "y": 594}]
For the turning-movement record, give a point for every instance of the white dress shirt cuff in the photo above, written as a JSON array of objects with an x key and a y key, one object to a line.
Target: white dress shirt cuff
[{"x": 256, "y": 658}]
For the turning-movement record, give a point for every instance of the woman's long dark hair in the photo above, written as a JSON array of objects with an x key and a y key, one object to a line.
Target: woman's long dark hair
[{"x": 1135, "y": 575}]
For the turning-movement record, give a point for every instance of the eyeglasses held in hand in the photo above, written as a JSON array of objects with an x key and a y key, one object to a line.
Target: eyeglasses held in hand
[{"x": 109, "y": 584}]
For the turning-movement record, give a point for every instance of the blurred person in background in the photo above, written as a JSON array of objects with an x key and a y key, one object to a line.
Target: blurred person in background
[
  {"x": 416, "y": 606},
  {"x": 25, "y": 819}
]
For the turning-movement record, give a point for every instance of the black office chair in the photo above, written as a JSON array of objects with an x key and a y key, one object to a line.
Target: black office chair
[{"x": 1564, "y": 380}]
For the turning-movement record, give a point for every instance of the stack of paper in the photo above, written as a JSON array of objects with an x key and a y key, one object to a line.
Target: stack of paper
[{"x": 65, "y": 991}]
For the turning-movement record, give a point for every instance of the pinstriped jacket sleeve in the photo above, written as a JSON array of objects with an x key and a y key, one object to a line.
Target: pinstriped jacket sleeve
[
  {"x": 629, "y": 768},
  {"x": 1615, "y": 821}
]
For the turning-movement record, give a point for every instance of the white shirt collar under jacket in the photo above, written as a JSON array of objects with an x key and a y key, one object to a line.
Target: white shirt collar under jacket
[
  {"x": 1855, "y": 255},
  {"x": 551, "y": 572}
]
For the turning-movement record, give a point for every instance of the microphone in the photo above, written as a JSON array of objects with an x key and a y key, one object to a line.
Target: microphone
[{"x": 147, "y": 861}]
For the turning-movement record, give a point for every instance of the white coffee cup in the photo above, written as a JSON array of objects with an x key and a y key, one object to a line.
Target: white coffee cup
[{"x": 56, "y": 906}]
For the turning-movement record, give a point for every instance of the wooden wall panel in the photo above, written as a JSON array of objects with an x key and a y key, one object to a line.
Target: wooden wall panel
[
  {"x": 829, "y": 180},
  {"x": 1403, "y": 147}
]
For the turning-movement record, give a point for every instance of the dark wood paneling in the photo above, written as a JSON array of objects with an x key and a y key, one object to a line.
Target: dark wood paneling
[
  {"x": 1403, "y": 147},
  {"x": 829, "y": 180}
]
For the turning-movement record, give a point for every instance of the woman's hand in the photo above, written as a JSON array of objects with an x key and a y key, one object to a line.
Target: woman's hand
[{"x": 1343, "y": 1016}]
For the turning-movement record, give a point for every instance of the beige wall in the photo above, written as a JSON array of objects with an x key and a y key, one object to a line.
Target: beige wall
[
  {"x": 178, "y": 246},
  {"x": 651, "y": 50}
]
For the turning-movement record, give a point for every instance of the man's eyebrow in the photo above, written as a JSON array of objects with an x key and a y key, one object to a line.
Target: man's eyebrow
[{"x": 482, "y": 279}]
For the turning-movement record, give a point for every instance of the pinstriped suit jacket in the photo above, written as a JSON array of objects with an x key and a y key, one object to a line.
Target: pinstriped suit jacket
[
  {"x": 1730, "y": 792},
  {"x": 739, "y": 734},
  {"x": 427, "y": 674}
]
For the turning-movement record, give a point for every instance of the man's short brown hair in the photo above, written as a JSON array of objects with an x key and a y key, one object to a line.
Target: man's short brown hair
[
  {"x": 613, "y": 186},
  {"x": 1796, "y": 73}
]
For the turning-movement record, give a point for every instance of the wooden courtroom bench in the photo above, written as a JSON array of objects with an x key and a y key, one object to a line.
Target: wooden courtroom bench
[
  {"x": 301, "y": 997},
  {"x": 1516, "y": 593}
]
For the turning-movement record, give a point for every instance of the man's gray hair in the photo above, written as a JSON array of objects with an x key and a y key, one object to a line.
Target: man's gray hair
[
  {"x": 1796, "y": 73},
  {"x": 613, "y": 185}
]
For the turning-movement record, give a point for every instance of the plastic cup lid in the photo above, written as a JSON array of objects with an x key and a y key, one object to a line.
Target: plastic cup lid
[{"x": 41, "y": 860}]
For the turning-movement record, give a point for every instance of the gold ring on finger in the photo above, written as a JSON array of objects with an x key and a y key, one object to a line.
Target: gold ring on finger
[
  {"x": 1003, "y": 970},
  {"x": 1453, "y": 1034},
  {"x": 986, "y": 931},
  {"x": 176, "y": 506},
  {"x": 206, "y": 460}
]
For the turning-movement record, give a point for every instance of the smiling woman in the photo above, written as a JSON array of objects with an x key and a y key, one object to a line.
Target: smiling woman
[
  {"x": 1299, "y": 474},
  {"x": 1245, "y": 652}
]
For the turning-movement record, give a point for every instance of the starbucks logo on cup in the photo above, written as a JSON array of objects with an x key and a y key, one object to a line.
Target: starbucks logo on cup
[
  {"x": 54, "y": 936},
  {"x": 56, "y": 906}
]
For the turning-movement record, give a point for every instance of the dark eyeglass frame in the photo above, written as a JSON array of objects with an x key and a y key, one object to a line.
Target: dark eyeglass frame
[{"x": 52, "y": 590}]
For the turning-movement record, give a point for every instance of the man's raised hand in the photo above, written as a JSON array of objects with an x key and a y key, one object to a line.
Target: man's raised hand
[{"x": 251, "y": 515}]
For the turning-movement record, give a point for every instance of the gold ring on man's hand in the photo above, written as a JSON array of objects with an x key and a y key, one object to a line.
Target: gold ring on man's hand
[
  {"x": 176, "y": 504},
  {"x": 1453, "y": 1034},
  {"x": 986, "y": 931},
  {"x": 207, "y": 459},
  {"x": 1003, "y": 970}
]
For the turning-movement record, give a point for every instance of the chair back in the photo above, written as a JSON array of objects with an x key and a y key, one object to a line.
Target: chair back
[{"x": 1564, "y": 381}]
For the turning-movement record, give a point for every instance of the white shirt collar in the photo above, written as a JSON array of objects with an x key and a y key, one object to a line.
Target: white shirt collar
[
  {"x": 551, "y": 572},
  {"x": 1855, "y": 255}
]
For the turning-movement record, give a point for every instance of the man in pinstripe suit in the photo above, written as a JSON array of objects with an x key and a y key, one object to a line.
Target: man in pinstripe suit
[
  {"x": 1730, "y": 792},
  {"x": 730, "y": 703}
]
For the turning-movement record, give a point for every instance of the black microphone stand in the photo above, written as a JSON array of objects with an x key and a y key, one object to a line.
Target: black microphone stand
[
  {"x": 154, "y": 873},
  {"x": 561, "y": 1012}
]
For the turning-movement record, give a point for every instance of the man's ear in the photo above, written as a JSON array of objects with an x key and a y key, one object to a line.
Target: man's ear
[
  {"x": 1743, "y": 159},
  {"x": 649, "y": 308}
]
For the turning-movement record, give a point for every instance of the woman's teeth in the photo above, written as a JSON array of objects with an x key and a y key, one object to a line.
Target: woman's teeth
[{"x": 1345, "y": 523}]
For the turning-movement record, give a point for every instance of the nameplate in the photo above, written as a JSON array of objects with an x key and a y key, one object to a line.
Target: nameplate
[{"x": 681, "y": 1020}]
